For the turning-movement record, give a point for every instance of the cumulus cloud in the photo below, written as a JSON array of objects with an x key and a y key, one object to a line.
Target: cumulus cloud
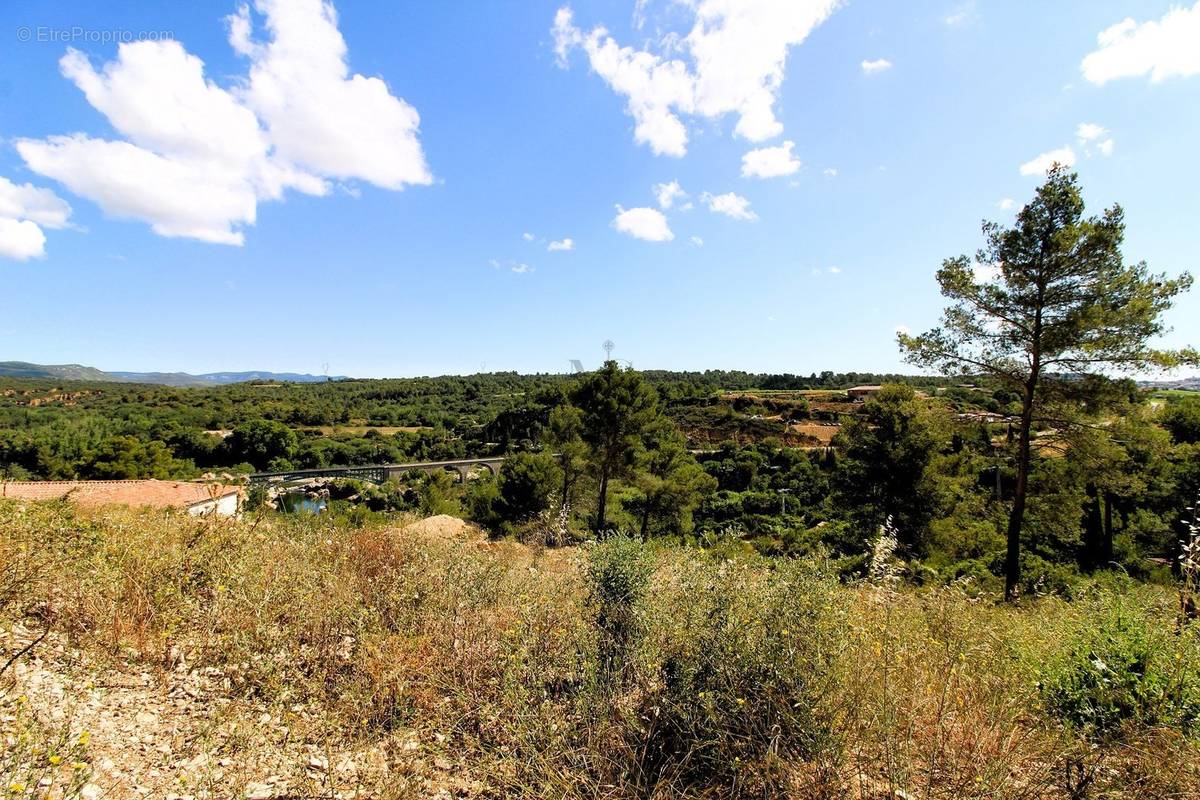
[
  {"x": 1091, "y": 136},
  {"x": 1164, "y": 48},
  {"x": 1007, "y": 204},
  {"x": 1042, "y": 163},
  {"x": 521, "y": 269},
  {"x": 875, "y": 67},
  {"x": 829, "y": 172},
  {"x": 770, "y": 162},
  {"x": 729, "y": 204},
  {"x": 24, "y": 210},
  {"x": 21, "y": 239},
  {"x": 648, "y": 224},
  {"x": 561, "y": 245},
  {"x": 730, "y": 62},
  {"x": 696, "y": 241},
  {"x": 195, "y": 159},
  {"x": 668, "y": 193},
  {"x": 527, "y": 236}
]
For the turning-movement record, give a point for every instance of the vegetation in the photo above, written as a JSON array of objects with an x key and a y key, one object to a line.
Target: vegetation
[
  {"x": 626, "y": 669},
  {"x": 1062, "y": 307}
]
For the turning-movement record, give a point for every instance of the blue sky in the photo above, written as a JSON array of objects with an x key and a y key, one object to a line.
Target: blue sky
[{"x": 382, "y": 245}]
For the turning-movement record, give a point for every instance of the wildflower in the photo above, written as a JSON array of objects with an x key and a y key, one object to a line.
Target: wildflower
[
  {"x": 16, "y": 787},
  {"x": 84, "y": 738},
  {"x": 55, "y": 760}
]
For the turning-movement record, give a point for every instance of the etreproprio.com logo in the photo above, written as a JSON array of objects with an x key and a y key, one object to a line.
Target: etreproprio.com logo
[{"x": 80, "y": 34}]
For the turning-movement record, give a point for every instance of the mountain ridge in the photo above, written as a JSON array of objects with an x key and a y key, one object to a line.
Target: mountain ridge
[{"x": 80, "y": 372}]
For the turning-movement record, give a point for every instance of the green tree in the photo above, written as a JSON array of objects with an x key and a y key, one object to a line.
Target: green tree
[
  {"x": 527, "y": 480},
  {"x": 615, "y": 407},
  {"x": 564, "y": 436},
  {"x": 669, "y": 480},
  {"x": 1182, "y": 419},
  {"x": 261, "y": 441},
  {"x": 1062, "y": 303},
  {"x": 886, "y": 452}
]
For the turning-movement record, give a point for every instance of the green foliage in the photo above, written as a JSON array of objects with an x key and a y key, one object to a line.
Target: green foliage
[
  {"x": 1126, "y": 671},
  {"x": 437, "y": 495},
  {"x": 618, "y": 571},
  {"x": 527, "y": 482},
  {"x": 739, "y": 658},
  {"x": 1182, "y": 419},
  {"x": 262, "y": 442},
  {"x": 887, "y": 452}
]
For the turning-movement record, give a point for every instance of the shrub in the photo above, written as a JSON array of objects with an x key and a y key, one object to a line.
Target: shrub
[
  {"x": 1121, "y": 671},
  {"x": 733, "y": 669},
  {"x": 618, "y": 570}
]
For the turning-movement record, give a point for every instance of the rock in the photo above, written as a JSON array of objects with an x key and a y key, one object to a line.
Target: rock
[{"x": 90, "y": 791}]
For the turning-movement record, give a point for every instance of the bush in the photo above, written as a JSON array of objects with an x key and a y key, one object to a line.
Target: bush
[
  {"x": 733, "y": 672},
  {"x": 618, "y": 570},
  {"x": 1122, "y": 671}
]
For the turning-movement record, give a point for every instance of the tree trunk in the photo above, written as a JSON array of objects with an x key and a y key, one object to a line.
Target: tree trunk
[
  {"x": 646, "y": 519},
  {"x": 1106, "y": 552},
  {"x": 1012, "y": 560},
  {"x": 600, "y": 506}
]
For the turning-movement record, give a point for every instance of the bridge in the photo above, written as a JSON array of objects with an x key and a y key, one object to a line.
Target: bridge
[{"x": 378, "y": 473}]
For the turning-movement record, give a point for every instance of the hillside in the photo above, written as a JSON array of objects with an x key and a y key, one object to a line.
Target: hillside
[
  {"x": 159, "y": 656},
  {"x": 78, "y": 372}
]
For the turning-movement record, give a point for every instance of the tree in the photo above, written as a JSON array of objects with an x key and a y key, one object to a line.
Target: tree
[
  {"x": 526, "y": 482},
  {"x": 261, "y": 441},
  {"x": 615, "y": 407},
  {"x": 670, "y": 481},
  {"x": 1060, "y": 304},
  {"x": 564, "y": 435},
  {"x": 886, "y": 453}
]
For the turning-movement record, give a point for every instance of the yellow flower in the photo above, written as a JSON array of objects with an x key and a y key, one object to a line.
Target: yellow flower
[
  {"x": 85, "y": 737},
  {"x": 79, "y": 765},
  {"x": 55, "y": 760},
  {"x": 16, "y": 788}
]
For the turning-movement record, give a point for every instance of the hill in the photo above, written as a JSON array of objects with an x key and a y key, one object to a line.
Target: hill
[{"x": 78, "y": 372}]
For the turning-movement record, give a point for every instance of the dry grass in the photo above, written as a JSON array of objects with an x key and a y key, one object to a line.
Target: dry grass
[{"x": 515, "y": 668}]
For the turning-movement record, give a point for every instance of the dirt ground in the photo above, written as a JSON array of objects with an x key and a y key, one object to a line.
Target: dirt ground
[{"x": 180, "y": 732}]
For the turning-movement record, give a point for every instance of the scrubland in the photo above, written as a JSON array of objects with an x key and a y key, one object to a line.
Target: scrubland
[{"x": 157, "y": 655}]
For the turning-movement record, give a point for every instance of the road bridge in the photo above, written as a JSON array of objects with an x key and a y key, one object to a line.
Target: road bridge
[{"x": 378, "y": 473}]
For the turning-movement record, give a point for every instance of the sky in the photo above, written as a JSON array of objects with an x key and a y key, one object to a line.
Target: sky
[{"x": 375, "y": 188}]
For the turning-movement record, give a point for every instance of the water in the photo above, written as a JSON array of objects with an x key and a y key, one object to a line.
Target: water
[{"x": 300, "y": 503}]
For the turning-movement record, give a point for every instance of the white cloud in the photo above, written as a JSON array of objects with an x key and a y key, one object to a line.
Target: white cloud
[
  {"x": 643, "y": 223},
  {"x": 903, "y": 330},
  {"x": 770, "y": 162},
  {"x": 317, "y": 114},
  {"x": 1007, "y": 204},
  {"x": 1165, "y": 48},
  {"x": 696, "y": 241},
  {"x": 1092, "y": 135},
  {"x": 561, "y": 245},
  {"x": 731, "y": 61},
  {"x": 876, "y": 66},
  {"x": 521, "y": 269},
  {"x": 1042, "y": 163},
  {"x": 961, "y": 15},
  {"x": 32, "y": 203},
  {"x": 195, "y": 159},
  {"x": 729, "y": 204},
  {"x": 829, "y": 172},
  {"x": 668, "y": 193},
  {"x": 21, "y": 239},
  {"x": 527, "y": 236},
  {"x": 24, "y": 210},
  {"x": 835, "y": 270}
]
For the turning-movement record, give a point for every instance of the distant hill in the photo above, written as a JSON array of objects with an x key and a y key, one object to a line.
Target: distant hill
[
  {"x": 1190, "y": 384},
  {"x": 78, "y": 372}
]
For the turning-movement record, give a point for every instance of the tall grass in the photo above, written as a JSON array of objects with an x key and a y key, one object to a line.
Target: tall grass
[{"x": 616, "y": 670}]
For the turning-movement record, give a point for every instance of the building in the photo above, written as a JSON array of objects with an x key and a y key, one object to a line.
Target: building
[
  {"x": 862, "y": 392},
  {"x": 197, "y": 499}
]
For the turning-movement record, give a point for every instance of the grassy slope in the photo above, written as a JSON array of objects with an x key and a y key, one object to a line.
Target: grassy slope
[{"x": 428, "y": 661}]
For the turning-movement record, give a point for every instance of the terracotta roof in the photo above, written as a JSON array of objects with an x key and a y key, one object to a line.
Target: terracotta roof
[{"x": 153, "y": 493}]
